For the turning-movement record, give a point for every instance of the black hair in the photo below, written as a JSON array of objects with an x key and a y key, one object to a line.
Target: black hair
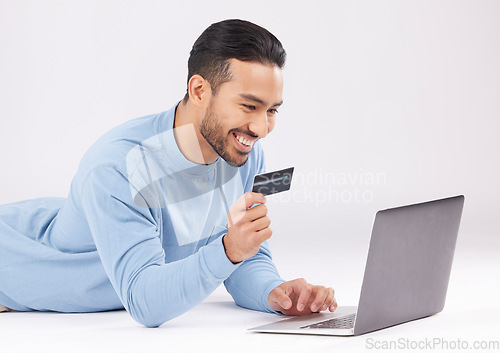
[{"x": 231, "y": 39}]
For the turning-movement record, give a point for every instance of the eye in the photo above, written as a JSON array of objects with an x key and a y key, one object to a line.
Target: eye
[
  {"x": 251, "y": 107},
  {"x": 273, "y": 111}
]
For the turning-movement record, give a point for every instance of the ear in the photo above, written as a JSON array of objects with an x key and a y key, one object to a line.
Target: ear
[{"x": 199, "y": 90}]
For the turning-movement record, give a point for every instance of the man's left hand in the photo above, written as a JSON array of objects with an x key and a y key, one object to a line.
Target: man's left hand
[{"x": 297, "y": 297}]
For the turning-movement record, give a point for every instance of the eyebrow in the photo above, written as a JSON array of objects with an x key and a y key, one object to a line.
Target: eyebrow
[{"x": 258, "y": 100}]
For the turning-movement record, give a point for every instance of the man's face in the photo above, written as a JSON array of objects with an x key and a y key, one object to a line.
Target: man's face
[{"x": 243, "y": 110}]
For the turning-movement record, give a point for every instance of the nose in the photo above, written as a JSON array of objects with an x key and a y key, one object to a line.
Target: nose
[{"x": 260, "y": 125}]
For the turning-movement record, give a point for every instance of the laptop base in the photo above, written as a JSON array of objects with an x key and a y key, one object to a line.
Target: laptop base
[{"x": 294, "y": 324}]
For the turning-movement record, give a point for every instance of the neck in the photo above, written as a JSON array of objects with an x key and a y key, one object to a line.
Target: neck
[{"x": 187, "y": 135}]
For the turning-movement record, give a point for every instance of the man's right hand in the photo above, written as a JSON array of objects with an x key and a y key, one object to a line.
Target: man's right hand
[{"x": 248, "y": 227}]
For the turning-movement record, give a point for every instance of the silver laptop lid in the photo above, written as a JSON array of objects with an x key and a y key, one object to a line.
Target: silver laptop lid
[{"x": 409, "y": 263}]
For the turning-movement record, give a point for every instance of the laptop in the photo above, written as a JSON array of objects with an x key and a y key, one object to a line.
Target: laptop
[{"x": 406, "y": 274}]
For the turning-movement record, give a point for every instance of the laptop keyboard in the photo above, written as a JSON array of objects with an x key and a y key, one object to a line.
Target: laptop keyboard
[{"x": 344, "y": 322}]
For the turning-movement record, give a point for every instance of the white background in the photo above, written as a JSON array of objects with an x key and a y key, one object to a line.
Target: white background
[{"x": 386, "y": 103}]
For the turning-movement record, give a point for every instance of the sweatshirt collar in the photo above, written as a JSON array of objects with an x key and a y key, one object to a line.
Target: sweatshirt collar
[{"x": 171, "y": 149}]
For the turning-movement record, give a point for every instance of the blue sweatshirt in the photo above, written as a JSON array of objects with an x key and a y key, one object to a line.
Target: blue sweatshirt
[{"x": 141, "y": 229}]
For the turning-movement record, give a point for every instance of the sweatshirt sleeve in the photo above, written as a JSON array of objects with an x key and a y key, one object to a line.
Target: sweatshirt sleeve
[
  {"x": 129, "y": 245},
  {"x": 252, "y": 282},
  {"x": 257, "y": 276}
]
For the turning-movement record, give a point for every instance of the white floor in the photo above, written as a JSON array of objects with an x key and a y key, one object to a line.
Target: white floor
[{"x": 218, "y": 325}]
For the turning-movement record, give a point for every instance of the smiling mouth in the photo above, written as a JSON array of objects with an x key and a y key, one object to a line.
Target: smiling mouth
[{"x": 245, "y": 143}]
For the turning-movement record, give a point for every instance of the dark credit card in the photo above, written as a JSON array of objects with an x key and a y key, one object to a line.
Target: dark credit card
[{"x": 273, "y": 182}]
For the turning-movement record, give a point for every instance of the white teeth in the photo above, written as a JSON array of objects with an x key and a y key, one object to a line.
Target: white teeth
[{"x": 243, "y": 140}]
